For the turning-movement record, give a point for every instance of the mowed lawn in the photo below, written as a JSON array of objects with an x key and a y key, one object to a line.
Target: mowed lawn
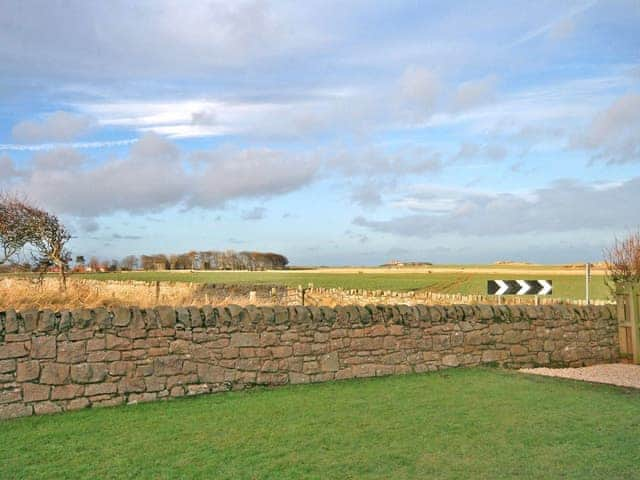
[
  {"x": 564, "y": 286},
  {"x": 454, "y": 424}
]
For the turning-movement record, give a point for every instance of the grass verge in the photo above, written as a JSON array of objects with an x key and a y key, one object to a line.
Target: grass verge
[{"x": 455, "y": 424}]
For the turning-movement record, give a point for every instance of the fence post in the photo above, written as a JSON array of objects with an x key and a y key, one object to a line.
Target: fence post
[
  {"x": 635, "y": 321},
  {"x": 587, "y": 276},
  {"x": 628, "y": 310}
]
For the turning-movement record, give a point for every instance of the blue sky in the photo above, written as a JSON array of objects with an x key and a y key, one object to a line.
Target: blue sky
[{"x": 332, "y": 132}]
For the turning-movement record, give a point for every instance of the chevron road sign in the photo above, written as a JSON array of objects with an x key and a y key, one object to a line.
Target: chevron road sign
[{"x": 519, "y": 287}]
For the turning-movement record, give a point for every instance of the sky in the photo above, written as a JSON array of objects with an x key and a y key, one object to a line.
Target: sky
[{"x": 334, "y": 132}]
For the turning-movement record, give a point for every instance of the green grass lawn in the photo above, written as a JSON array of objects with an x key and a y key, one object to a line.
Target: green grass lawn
[
  {"x": 564, "y": 286},
  {"x": 456, "y": 424}
]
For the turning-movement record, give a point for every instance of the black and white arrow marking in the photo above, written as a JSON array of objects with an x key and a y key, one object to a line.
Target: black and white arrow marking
[{"x": 519, "y": 287}]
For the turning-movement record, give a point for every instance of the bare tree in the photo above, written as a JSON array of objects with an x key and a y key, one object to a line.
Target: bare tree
[
  {"x": 130, "y": 262},
  {"x": 50, "y": 242},
  {"x": 623, "y": 260},
  {"x": 17, "y": 227},
  {"x": 94, "y": 264}
]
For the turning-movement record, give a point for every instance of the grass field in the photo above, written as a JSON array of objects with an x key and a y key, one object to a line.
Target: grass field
[
  {"x": 564, "y": 285},
  {"x": 456, "y": 424}
]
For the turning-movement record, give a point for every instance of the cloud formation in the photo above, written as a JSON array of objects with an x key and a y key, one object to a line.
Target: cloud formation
[
  {"x": 256, "y": 213},
  {"x": 223, "y": 175},
  {"x": 562, "y": 29},
  {"x": 8, "y": 168},
  {"x": 375, "y": 161},
  {"x": 191, "y": 40},
  {"x": 564, "y": 206},
  {"x": 613, "y": 135},
  {"x": 475, "y": 92},
  {"x": 156, "y": 175},
  {"x": 57, "y": 127},
  {"x": 420, "y": 88},
  {"x": 471, "y": 151}
]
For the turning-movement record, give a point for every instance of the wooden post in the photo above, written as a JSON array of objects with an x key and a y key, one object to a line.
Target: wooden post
[
  {"x": 587, "y": 280},
  {"x": 157, "y": 291},
  {"x": 634, "y": 313},
  {"x": 628, "y": 313}
]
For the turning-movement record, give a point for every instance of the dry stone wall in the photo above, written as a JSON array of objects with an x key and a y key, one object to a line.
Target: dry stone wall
[
  {"x": 344, "y": 296},
  {"x": 57, "y": 361}
]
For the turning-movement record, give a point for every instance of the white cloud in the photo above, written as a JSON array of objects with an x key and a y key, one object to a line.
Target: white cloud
[
  {"x": 475, "y": 92},
  {"x": 228, "y": 174},
  {"x": 471, "y": 151},
  {"x": 256, "y": 213},
  {"x": 8, "y": 168},
  {"x": 562, "y": 29},
  {"x": 613, "y": 134},
  {"x": 420, "y": 88},
  {"x": 378, "y": 162},
  {"x": 156, "y": 175},
  {"x": 206, "y": 116},
  {"x": 367, "y": 195},
  {"x": 416, "y": 99},
  {"x": 150, "y": 178},
  {"x": 88, "y": 225},
  {"x": 56, "y": 127},
  {"x": 119, "y": 39},
  {"x": 565, "y": 206},
  {"x": 62, "y": 158},
  {"x": 209, "y": 118}
]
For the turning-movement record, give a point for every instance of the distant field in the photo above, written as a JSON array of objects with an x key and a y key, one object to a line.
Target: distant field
[{"x": 565, "y": 284}]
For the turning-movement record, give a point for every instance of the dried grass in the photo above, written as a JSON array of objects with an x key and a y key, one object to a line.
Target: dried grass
[{"x": 23, "y": 294}]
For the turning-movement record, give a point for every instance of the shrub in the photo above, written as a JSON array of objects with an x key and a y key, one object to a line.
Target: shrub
[{"x": 623, "y": 260}]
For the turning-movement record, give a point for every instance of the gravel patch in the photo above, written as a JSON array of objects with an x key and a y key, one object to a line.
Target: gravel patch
[{"x": 621, "y": 374}]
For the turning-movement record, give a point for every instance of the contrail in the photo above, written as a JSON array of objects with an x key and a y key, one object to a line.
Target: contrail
[
  {"x": 545, "y": 28},
  {"x": 51, "y": 146}
]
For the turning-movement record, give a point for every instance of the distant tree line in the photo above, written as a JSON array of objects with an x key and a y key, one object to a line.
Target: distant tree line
[
  {"x": 34, "y": 239},
  {"x": 205, "y": 260}
]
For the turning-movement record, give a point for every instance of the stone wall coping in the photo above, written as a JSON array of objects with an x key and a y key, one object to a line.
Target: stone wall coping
[{"x": 26, "y": 321}]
